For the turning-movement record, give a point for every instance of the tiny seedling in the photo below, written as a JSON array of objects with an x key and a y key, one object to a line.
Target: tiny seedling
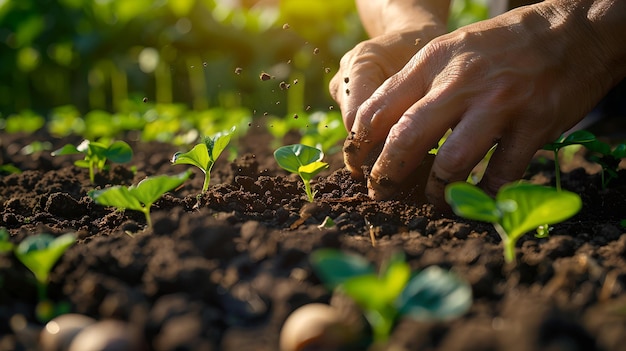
[
  {"x": 579, "y": 137},
  {"x": 517, "y": 209},
  {"x": 139, "y": 197},
  {"x": 97, "y": 154},
  {"x": 39, "y": 253},
  {"x": 608, "y": 158},
  {"x": 394, "y": 293},
  {"x": 205, "y": 154},
  {"x": 303, "y": 160}
]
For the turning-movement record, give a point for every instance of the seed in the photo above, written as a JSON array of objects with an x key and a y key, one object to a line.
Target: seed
[
  {"x": 286, "y": 26},
  {"x": 145, "y": 99},
  {"x": 308, "y": 107},
  {"x": 295, "y": 116},
  {"x": 265, "y": 113},
  {"x": 204, "y": 64},
  {"x": 331, "y": 107},
  {"x": 417, "y": 41},
  {"x": 347, "y": 91},
  {"x": 238, "y": 70},
  {"x": 327, "y": 70},
  {"x": 316, "y": 51},
  {"x": 264, "y": 76},
  {"x": 295, "y": 81},
  {"x": 283, "y": 85},
  {"x": 346, "y": 80}
]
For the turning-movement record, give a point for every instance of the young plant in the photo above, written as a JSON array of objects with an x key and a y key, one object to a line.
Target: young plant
[
  {"x": 303, "y": 160},
  {"x": 518, "y": 208},
  {"x": 5, "y": 244},
  {"x": 139, "y": 197},
  {"x": 607, "y": 158},
  {"x": 39, "y": 253},
  {"x": 579, "y": 137},
  {"x": 394, "y": 293},
  {"x": 97, "y": 154},
  {"x": 205, "y": 154}
]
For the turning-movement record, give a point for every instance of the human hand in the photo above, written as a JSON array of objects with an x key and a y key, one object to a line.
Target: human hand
[{"x": 518, "y": 80}]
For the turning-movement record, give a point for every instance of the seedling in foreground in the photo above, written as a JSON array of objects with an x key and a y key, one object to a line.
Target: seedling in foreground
[
  {"x": 139, "y": 197},
  {"x": 97, "y": 154},
  {"x": 205, "y": 154},
  {"x": 303, "y": 160},
  {"x": 518, "y": 208},
  {"x": 39, "y": 253},
  {"x": 432, "y": 294}
]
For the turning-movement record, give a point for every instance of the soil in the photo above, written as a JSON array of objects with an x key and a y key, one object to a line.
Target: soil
[{"x": 224, "y": 270}]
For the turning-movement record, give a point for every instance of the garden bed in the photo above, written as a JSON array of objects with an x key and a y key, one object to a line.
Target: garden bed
[{"x": 223, "y": 271}]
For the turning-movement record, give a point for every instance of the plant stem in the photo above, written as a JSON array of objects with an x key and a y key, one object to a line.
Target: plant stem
[
  {"x": 557, "y": 170},
  {"x": 146, "y": 212},
  {"x": 307, "y": 190},
  {"x": 207, "y": 180},
  {"x": 507, "y": 242}
]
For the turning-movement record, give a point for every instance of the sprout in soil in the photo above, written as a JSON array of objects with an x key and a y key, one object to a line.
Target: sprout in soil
[
  {"x": 394, "y": 293},
  {"x": 139, "y": 197},
  {"x": 97, "y": 154},
  {"x": 606, "y": 157},
  {"x": 205, "y": 154},
  {"x": 579, "y": 137},
  {"x": 303, "y": 160},
  {"x": 517, "y": 209},
  {"x": 39, "y": 253}
]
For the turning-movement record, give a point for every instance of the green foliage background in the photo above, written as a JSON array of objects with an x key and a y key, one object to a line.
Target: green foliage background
[{"x": 86, "y": 55}]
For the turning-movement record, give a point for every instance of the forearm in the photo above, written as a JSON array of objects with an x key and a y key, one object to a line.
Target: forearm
[{"x": 385, "y": 16}]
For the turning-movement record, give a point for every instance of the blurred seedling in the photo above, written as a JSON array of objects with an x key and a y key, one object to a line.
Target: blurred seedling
[
  {"x": 432, "y": 294},
  {"x": 204, "y": 154},
  {"x": 580, "y": 137},
  {"x": 303, "y": 160},
  {"x": 5, "y": 244},
  {"x": 139, "y": 197},
  {"x": 96, "y": 154},
  {"x": 39, "y": 253},
  {"x": 517, "y": 209}
]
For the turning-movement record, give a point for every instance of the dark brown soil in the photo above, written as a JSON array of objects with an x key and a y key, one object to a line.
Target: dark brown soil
[{"x": 223, "y": 271}]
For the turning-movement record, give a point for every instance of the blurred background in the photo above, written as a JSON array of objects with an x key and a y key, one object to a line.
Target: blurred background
[{"x": 67, "y": 58}]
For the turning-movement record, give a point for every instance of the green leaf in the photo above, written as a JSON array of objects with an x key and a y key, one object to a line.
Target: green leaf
[
  {"x": 535, "y": 205},
  {"x": 5, "y": 244},
  {"x": 118, "y": 197},
  {"x": 152, "y": 188},
  {"x": 291, "y": 157},
  {"x": 68, "y": 149},
  {"x": 40, "y": 252},
  {"x": 218, "y": 144},
  {"x": 119, "y": 152},
  {"x": 581, "y": 137},
  {"x": 334, "y": 267},
  {"x": 619, "y": 151},
  {"x": 198, "y": 156},
  {"x": 469, "y": 201},
  {"x": 435, "y": 294},
  {"x": 307, "y": 172}
]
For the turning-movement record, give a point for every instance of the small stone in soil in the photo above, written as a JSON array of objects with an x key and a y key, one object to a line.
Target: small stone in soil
[
  {"x": 238, "y": 70},
  {"x": 264, "y": 76}
]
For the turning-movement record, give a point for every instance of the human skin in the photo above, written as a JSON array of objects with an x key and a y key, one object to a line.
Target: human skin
[{"x": 518, "y": 80}]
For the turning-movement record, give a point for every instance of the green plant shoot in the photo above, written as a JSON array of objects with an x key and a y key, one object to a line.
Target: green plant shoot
[
  {"x": 5, "y": 244},
  {"x": 432, "y": 294},
  {"x": 579, "y": 137},
  {"x": 517, "y": 209},
  {"x": 97, "y": 154},
  {"x": 303, "y": 160},
  {"x": 139, "y": 197},
  {"x": 205, "y": 154},
  {"x": 39, "y": 253}
]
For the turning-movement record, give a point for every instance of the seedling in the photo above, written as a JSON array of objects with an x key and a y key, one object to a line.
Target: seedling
[
  {"x": 518, "y": 208},
  {"x": 39, "y": 253},
  {"x": 394, "y": 293},
  {"x": 579, "y": 137},
  {"x": 97, "y": 154},
  {"x": 303, "y": 160},
  {"x": 139, "y": 197},
  {"x": 205, "y": 154},
  {"x": 607, "y": 158}
]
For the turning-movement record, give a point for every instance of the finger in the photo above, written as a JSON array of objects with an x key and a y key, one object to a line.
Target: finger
[
  {"x": 510, "y": 159},
  {"x": 377, "y": 114},
  {"x": 464, "y": 148},
  {"x": 409, "y": 140}
]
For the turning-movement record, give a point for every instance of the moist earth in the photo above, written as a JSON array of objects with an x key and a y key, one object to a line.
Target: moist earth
[{"x": 223, "y": 270}]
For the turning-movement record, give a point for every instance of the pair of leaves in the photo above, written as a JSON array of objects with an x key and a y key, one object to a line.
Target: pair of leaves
[
  {"x": 141, "y": 196},
  {"x": 432, "y": 294},
  {"x": 118, "y": 152},
  {"x": 301, "y": 159},
  {"x": 518, "y": 207}
]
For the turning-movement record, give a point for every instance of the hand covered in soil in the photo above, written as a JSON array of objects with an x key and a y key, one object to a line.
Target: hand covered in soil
[{"x": 518, "y": 80}]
